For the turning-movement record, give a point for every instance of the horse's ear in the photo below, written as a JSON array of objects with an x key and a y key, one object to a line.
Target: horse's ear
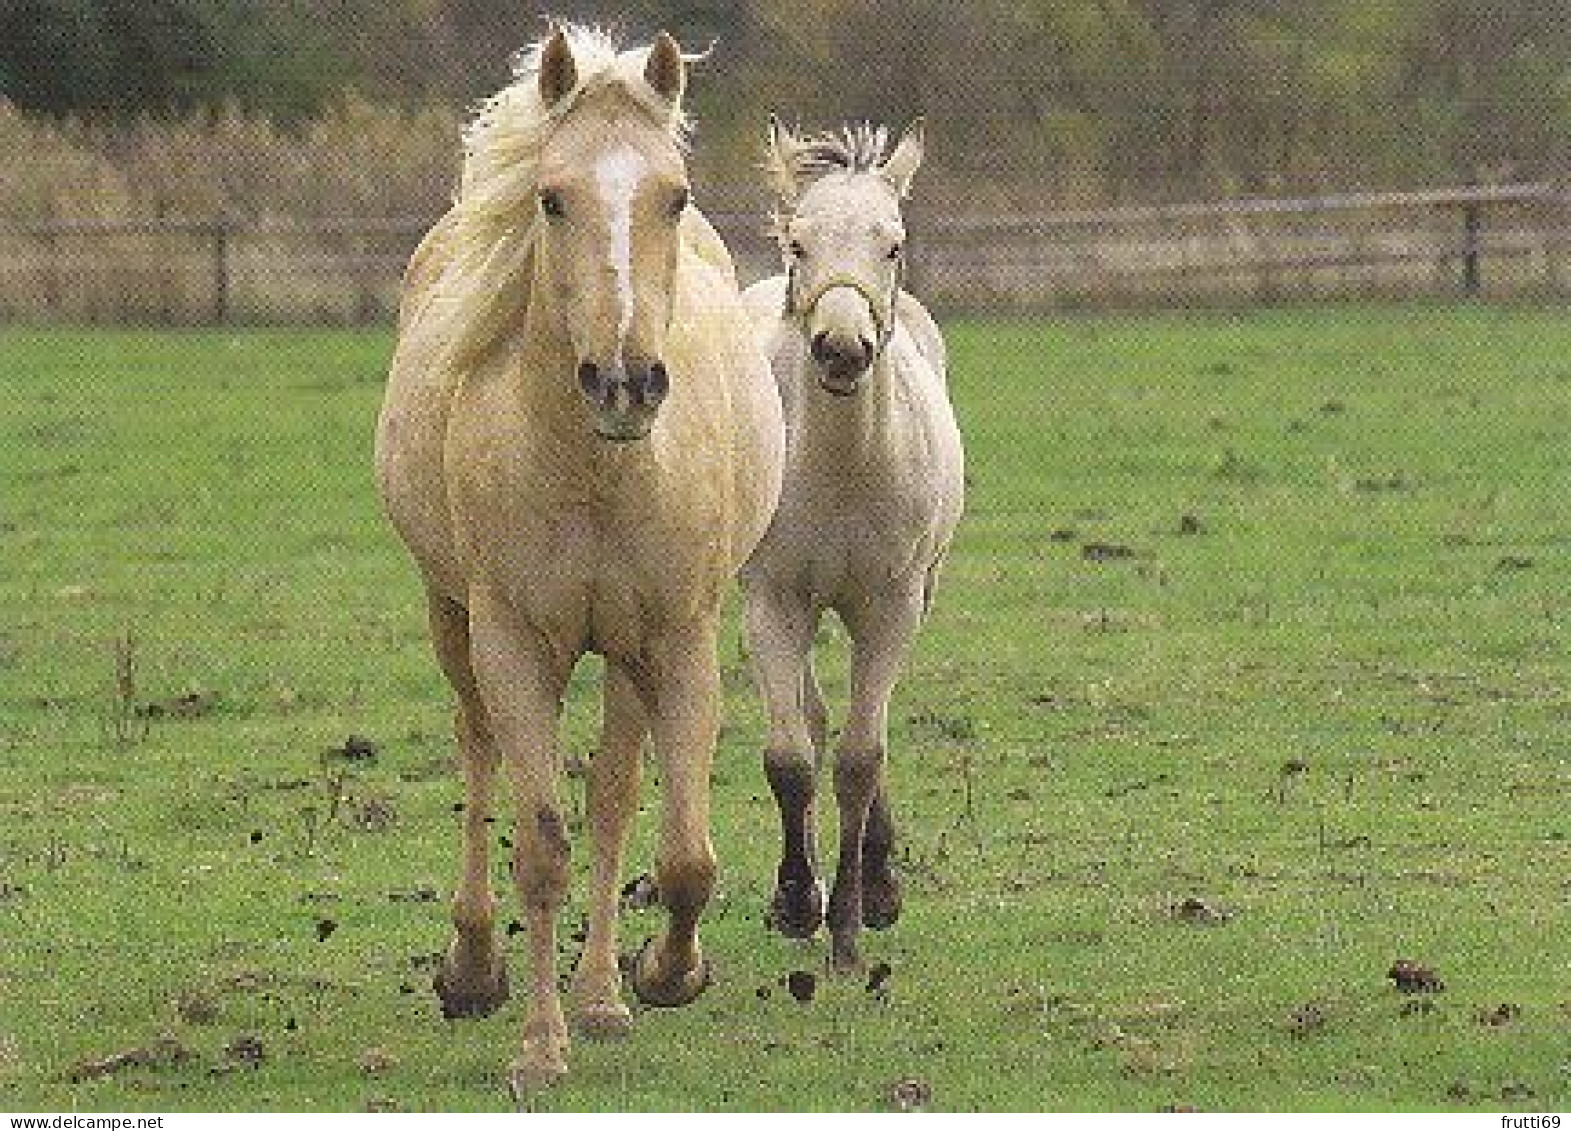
[
  {"x": 780, "y": 150},
  {"x": 558, "y": 72},
  {"x": 664, "y": 70},
  {"x": 903, "y": 162}
]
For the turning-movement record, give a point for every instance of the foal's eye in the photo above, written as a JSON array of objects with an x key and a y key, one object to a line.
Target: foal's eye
[
  {"x": 797, "y": 250},
  {"x": 680, "y": 202},
  {"x": 551, "y": 202},
  {"x": 897, "y": 251}
]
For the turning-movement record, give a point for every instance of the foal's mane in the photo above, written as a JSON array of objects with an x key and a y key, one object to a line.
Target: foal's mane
[
  {"x": 857, "y": 147},
  {"x": 493, "y": 222},
  {"x": 795, "y": 161}
]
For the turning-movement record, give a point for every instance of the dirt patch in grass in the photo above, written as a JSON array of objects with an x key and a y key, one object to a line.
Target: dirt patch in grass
[
  {"x": 377, "y": 1061},
  {"x": 165, "y": 1052},
  {"x": 1308, "y": 1019},
  {"x": 802, "y": 985},
  {"x": 1503, "y": 1014},
  {"x": 1412, "y": 977},
  {"x": 1106, "y": 552},
  {"x": 1199, "y": 912},
  {"x": 189, "y": 705},
  {"x": 911, "y": 1094}
]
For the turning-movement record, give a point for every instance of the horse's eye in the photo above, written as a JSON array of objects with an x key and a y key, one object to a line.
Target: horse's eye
[
  {"x": 797, "y": 250},
  {"x": 680, "y": 202},
  {"x": 551, "y": 202},
  {"x": 897, "y": 251}
]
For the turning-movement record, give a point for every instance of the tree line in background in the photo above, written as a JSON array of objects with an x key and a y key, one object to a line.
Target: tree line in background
[{"x": 1035, "y": 102}]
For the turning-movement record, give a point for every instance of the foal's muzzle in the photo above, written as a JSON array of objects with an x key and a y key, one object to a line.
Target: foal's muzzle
[
  {"x": 841, "y": 361},
  {"x": 624, "y": 398}
]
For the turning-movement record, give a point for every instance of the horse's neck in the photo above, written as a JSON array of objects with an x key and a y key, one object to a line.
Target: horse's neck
[
  {"x": 544, "y": 363},
  {"x": 541, "y": 372},
  {"x": 849, "y": 431}
]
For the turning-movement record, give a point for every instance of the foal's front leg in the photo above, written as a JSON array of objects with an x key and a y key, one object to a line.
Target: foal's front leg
[
  {"x": 521, "y": 678},
  {"x": 780, "y": 636},
  {"x": 881, "y": 632}
]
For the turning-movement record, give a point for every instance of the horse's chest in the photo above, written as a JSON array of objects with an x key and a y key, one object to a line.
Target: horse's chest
[
  {"x": 593, "y": 574},
  {"x": 837, "y": 545}
]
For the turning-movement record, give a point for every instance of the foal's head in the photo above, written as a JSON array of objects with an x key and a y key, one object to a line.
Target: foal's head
[
  {"x": 843, "y": 239},
  {"x": 611, "y": 190}
]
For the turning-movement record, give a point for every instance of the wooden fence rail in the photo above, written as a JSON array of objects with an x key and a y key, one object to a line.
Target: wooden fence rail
[{"x": 1508, "y": 241}]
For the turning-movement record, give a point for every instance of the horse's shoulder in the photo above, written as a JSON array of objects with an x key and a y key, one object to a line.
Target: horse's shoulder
[{"x": 924, "y": 331}]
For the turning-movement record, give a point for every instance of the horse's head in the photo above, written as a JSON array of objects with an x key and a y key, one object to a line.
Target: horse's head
[
  {"x": 612, "y": 187},
  {"x": 843, "y": 240}
]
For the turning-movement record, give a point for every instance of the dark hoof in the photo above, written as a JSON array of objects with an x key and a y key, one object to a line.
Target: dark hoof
[
  {"x": 465, "y": 997},
  {"x": 880, "y": 900},
  {"x": 797, "y": 909},
  {"x": 663, "y": 989}
]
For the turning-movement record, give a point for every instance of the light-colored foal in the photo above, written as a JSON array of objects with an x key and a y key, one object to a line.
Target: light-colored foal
[{"x": 873, "y": 490}]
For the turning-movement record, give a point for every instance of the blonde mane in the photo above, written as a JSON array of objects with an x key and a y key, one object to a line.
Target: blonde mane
[{"x": 490, "y": 230}]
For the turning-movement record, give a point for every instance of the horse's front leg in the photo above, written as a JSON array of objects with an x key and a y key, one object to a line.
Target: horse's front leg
[
  {"x": 472, "y": 980},
  {"x": 881, "y": 632},
  {"x": 682, "y": 684},
  {"x": 613, "y": 776},
  {"x": 780, "y": 636},
  {"x": 521, "y": 679}
]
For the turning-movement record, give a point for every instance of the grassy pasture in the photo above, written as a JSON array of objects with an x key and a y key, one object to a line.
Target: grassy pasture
[{"x": 1248, "y": 677}]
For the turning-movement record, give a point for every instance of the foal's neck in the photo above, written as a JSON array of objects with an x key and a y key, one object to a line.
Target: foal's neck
[{"x": 847, "y": 429}]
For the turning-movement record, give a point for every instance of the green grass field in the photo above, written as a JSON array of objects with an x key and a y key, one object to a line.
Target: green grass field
[{"x": 1248, "y": 678}]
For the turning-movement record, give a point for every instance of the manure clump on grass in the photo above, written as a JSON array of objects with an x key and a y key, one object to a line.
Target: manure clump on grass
[{"x": 1411, "y": 977}]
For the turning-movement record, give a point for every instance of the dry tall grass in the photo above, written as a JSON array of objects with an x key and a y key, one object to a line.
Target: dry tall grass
[
  {"x": 154, "y": 184},
  {"x": 356, "y": 160},
  {"x": 228, "y": 215}
]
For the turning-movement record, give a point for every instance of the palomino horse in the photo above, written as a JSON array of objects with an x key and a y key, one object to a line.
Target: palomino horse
[
  {"x": 580, "y": 445},
  {"x": 873, "y": 492}
]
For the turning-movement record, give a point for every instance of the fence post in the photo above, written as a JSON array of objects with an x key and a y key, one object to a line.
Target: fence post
[
  {"x": 220, "y": 232},
  {"x": 1472, "y": 247}
]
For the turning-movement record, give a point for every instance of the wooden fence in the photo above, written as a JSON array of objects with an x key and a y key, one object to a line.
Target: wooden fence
[{"x": 1509, "y": 242}]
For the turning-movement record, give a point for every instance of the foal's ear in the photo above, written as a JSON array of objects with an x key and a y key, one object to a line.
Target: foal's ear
[
  {"x": 903, "y": 162},
  {"x": 664, "y": 70},
  {"x": 558, "y": 72},
  {"x": 781, "y": 147}
]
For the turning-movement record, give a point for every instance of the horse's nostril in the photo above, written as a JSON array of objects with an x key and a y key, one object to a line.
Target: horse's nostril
[
  {"x": 659, "y": 382},
  {"x": 867, "y": 350},
  {"x": 589, "y": 379},
  {"x": 821, "y": 350}
]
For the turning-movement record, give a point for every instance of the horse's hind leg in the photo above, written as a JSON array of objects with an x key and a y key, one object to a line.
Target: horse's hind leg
[
  {"x": 472, "y": 980},
  {"x": 613, "y": 798},
  {"x": 880, "y": 886},
  {"x": 881, "y": 632},
  {"x": 780, "y": 636},
  {"x": 815, "y": 710}
]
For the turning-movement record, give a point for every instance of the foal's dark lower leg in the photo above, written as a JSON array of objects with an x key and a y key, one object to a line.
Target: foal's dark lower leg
[
  {"x": 880, "y": 887},
  {"x": 797, "y": 908},
  {"x": 856, "y": 782}
]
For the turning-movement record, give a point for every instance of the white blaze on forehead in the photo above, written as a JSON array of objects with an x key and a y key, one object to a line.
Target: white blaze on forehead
[{"x": 617, "y": 174}]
